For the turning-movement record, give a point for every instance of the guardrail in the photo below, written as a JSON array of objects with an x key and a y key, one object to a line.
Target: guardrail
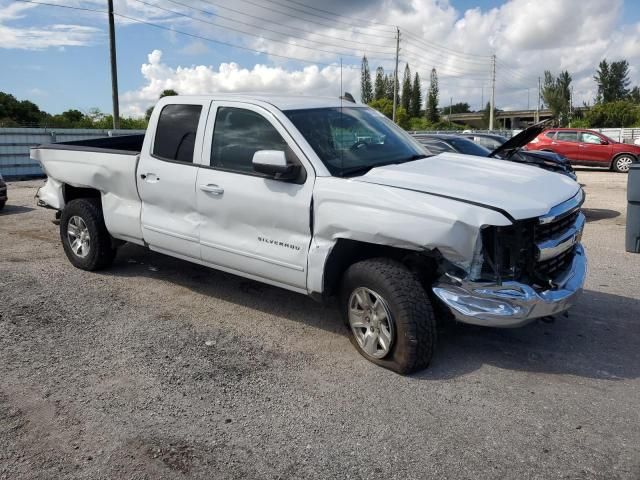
[{"x": 15, "y": 143}]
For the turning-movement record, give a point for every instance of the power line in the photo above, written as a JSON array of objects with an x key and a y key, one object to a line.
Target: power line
[
  {"x": 332, "y": 52},
  {"x": 340, "y": 16},
  {"x": 261, "y": 19},
  {"x": 63, "y": 6},
  {"x": 441, "y": 47},
  {"x": 192, "y": 35},
  {"x": 228, "y": 44},
  {"x": 444, "y": 69},
  {"x": 423, "y": 52},
  {"x": 417, "y": 38},
  {"x": 290, "y": 15},
  {"x": 257, "y": 26},
  {"x": 320, "y": 16}
]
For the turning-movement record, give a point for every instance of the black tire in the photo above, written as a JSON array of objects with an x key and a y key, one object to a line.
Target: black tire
[
  {"x": 2, "y": 204},
  {"x": 617, "y": 165},
  {"x": 101, "y": 252},
  {"x": 414, "y": 324}
]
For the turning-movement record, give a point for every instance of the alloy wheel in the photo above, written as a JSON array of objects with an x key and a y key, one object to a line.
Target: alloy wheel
[
  {"x": 371, "y": 322},
  {"x": 78, "y": 235}
]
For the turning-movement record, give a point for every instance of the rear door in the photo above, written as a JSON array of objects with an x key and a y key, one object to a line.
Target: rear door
[
  {"x": 594, "y": 149},
  {"x": 566, "y": 142},
  {"x": 167, "y": 174},
  {"x": 252, "y": 224}
]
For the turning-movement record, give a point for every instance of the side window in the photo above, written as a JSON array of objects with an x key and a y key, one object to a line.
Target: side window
[
  {"x": 437, "y": 146},
  {"x": 590, "y": 138},
  {"x": 176, "y": 132},
  {"x": 550, "y": 135},
  {"x": 238, "y": 134},
  {"x": 567, "y": 136}
]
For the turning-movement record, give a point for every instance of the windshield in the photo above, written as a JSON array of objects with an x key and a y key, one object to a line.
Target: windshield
[
  {"x": 468, "y": 147},
  {"x": 352, "y": 140}
]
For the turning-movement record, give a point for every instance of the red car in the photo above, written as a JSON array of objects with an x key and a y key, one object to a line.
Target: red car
[{"x": 586, "y": 147}]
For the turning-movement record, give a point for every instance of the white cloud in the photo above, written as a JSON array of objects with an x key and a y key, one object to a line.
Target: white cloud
[
  {"x": 527, "y": 37},
  {"x": 230, "y": 77}
]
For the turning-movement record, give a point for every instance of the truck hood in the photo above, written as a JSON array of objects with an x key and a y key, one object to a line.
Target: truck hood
[{"x": 519, "y": 191}]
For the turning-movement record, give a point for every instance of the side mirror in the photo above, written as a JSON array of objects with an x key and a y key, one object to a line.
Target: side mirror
[{"x": 274, "y": 163}]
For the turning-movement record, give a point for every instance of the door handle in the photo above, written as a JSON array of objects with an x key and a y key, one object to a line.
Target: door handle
[
  {"x": 213, "y": 189},
  {"x": 149, "y": 177}
]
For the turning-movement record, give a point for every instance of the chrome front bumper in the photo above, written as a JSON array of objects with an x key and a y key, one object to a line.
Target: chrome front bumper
[{"x": 512, "y": 304}]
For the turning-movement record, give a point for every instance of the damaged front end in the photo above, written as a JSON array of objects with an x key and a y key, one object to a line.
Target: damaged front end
[{"x": 533, "y": 268}]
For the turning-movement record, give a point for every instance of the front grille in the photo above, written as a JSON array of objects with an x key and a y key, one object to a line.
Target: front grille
[
  {"x": 554, "y": 266},
  {"x": 553, "y": 229},
  {"x": 510, "y": 253}
]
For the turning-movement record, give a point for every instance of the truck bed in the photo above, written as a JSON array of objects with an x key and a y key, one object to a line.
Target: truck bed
[
  {"x": 125, "y": 145},
  {"x": 106, "y": 165}
]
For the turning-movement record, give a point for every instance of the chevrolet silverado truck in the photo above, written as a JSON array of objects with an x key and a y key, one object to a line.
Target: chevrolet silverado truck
[{"x": 330, "y": 199}]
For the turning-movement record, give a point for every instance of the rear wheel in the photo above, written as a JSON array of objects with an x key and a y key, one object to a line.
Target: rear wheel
[
  {"x": 389, "y": 315},
  {"x": 622, "y": 163},
  {"x": 84, "y": 236},
  {"x": 2, "y": 204}
]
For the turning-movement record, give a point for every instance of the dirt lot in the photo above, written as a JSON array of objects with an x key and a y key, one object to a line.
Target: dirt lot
[{"x": 161, "y": 369}]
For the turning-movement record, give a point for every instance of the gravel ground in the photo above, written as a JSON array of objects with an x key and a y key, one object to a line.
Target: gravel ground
[{"x": 161, "y": 369}]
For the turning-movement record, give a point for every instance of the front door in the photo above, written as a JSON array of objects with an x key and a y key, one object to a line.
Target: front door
[
  {"x": 167, "y": 175},
  {"x": 594, "y": 149},
  {"x": 252, "y": 224}
]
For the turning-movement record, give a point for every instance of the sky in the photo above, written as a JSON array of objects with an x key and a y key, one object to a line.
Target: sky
[{"x": 59, "y": 57}]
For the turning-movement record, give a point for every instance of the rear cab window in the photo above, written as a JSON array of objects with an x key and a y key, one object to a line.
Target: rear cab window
[{"x": 176, "y": 132}]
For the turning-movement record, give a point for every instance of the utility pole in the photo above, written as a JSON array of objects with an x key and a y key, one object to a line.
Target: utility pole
[
  {"x": 482, "y": 99},
  {"x": 528, "y": 102},
  {"x": 395, "y": 75},
  {"x": 114, "y": 67},
  {"x": 570, "y": 105},
  {"x": 450, "y": 108},
  {"x": 538, "y": 103},
  {"x": 493, "y": 91}
]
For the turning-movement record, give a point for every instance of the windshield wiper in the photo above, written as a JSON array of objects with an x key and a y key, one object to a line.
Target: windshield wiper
[{"x": 363, "y": 169}]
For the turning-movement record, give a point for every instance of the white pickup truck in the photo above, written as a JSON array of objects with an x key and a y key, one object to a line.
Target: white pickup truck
[{"x": 327, "y": 198}]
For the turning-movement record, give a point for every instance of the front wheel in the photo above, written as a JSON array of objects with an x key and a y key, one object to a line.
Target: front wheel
[
  {"x": 389, "y": 315},
  {"x": 84, "y": 236},
  {"x": 622, "y": 163}
]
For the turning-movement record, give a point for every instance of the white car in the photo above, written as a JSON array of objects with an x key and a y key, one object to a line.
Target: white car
[{"x": 327, "y": 198}]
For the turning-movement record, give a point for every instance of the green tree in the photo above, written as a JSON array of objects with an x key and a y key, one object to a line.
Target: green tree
[
  {"x": 556, "y": 94},
  {"x": 405, "y": 99},
  {"x": 612, "y": 80},
  {"x": 384, "y": 106},
  {"x": 20, "y": 112},
  {"x": 432, "y": 98},
  {"x": 621, "y": 113},
  {"x": 169, "y": 92},
  {"x": 634, "y": 95},
  {"x": 402, "y": 117},
  {"x": 366, "y": 89},
  {"x": 460, "y": 107},
  {"x": 380, "y": 87},
  {"x": 416, "y": 97}
]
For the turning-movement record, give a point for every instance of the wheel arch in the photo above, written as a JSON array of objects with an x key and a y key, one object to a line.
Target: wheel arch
[
  {"x": 69, "y": 192},
  {"x": 346, "y": 252},
  {"x": 619, "y": 154}
]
